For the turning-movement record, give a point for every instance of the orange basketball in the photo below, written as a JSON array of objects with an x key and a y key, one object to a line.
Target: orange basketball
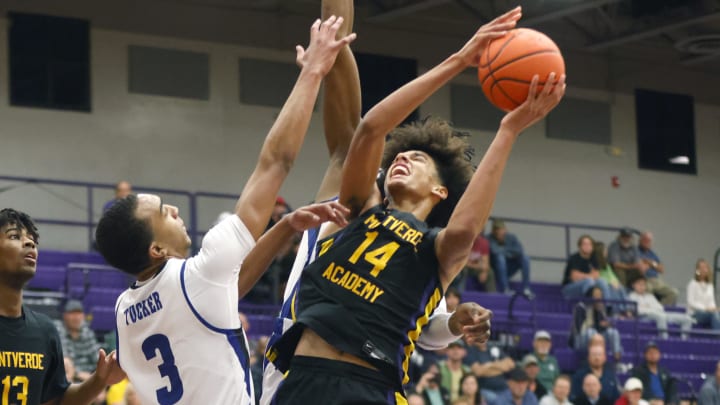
[{"x": 508, "y": 64}]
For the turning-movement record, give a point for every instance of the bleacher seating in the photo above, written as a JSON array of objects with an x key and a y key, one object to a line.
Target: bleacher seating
[{"x": 84, "y": 276}]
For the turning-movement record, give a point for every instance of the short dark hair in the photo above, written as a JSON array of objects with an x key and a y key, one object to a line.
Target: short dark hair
[
  {"x": 124, "y": 239},
  {"x": 9, "y": 216},
  {"x": 449, "y": 150}
]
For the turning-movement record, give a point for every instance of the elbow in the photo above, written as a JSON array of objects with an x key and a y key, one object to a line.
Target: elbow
[{"x": 367, "y": 128}]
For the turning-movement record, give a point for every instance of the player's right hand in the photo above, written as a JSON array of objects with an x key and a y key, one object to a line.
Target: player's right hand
[
  {"x": 320, "y": 55},
  {"x": 497, "y": 28}
]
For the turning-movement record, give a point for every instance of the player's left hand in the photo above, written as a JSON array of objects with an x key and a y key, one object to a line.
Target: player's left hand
[
  {"x": 311, "y": 216},
  {"x": 108, "y": 369},
  {"x": 471, "y": 320}
]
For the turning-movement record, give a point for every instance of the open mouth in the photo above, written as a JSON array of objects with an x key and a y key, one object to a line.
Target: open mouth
[{"x": 400, "y": 170}]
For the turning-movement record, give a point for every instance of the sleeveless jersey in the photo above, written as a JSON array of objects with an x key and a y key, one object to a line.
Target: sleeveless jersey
[
  {"x": 179, "y": 334},
  {"x": 369, "y": 292},
  {"x": 31, "y": 360}
]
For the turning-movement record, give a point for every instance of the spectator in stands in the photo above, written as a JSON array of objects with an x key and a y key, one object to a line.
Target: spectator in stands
[
  {"x": 549, "y": 369},
  {"x": 632, "y": 393},
  {"x": 452, "y": 369},
  {"x": 70, "y": 372},
  {"x": 532, "y": 368},
  {"x": 656, "y": 285},
  {"x": 657, "y": 381},
  {"x": 429, "y": 387},
  {"x": 560, "y": 392},
  {"x": 591, "y": 394},
  {"x": 78, "y": 340},
  {"x": 470, "y": 389},
  {"x": 701, "y": 297},
  {"x": 489, "y": 363},
  {"x": 592, "y": 318},
  {"x": 517, "y": 392},
  {"x": 581, "y": 271},
  {"x": 617, "y": 289},
  {"x": 710, "y": 391},
  {"x": 624, "y": 256},
  {"x": 650, "y": 308},
  {"x": 281, "y": 209},
  {"x": 477, "y": 270},
  {"x": 256, "y": 368},
  {"x": 597, "y": 365},
  {"x": 452, "y": 299},
  {"x": 507, "y": 257},
  {"x": 122, "y": 190},
  {"x": 462, "y": 400}
]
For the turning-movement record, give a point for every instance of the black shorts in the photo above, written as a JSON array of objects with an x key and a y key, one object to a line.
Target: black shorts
[{"x": 313, "y": 380}]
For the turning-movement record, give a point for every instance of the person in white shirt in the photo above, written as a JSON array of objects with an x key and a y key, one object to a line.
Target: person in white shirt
[
  {"x": 649, "y": 307},
  {"x": 560, "y": 392},
  {"x": 701, "y": 297},
  {"x": 179, "y": 335}
]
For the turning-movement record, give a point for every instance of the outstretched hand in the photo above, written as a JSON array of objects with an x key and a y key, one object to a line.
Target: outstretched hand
[
  {"x": 108, "y": 369},
  {"x": 497, "y": 28},
  {"x": 537, "y": 105},
  {"x": 471, "y": 320},
  {"x": 314, "y": 215},
  {"x": 320, "y": 55}
]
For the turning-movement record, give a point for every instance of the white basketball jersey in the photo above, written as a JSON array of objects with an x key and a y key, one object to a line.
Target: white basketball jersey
[
  {"x": 307, "y": 252},
  {"x": 179, "y": 335}
]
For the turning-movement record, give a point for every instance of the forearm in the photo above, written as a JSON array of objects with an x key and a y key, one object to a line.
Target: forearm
[
  {"x": 473, "y": 209},
  {"x": 83, "y": 393},
  {"x": 488, "y": 369},
  {"x": 262, "y": 255}
]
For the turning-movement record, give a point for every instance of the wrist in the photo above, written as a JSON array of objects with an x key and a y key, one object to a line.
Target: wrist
[{"x": 453, "y": 327}]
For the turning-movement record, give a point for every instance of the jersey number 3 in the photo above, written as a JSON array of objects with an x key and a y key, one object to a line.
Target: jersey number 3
[{"x": 160, "y": 344}]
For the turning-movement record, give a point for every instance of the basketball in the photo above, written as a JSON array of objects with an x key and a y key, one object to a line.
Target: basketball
[{"x": 508, "y": 65}]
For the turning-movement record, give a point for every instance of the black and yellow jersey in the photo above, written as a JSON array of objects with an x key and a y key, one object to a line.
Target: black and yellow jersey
[
  {"x": 31, "y": 360},
  {"x": 369, "y": 292}
]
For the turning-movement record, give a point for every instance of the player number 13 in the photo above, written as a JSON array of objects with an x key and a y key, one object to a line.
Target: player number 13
[{"x": 18, "y": 380}]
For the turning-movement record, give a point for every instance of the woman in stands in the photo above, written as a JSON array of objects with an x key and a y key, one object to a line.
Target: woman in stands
[
  {"x": 701, "y": 297},
  {"x": 592, "y": 319}
]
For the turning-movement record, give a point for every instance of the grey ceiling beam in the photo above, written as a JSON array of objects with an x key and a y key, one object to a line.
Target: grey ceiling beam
[
  {"x": 651, "y": 32},
  {"x": 578, "y": 7},
  {"x": 405, "y": 10}
]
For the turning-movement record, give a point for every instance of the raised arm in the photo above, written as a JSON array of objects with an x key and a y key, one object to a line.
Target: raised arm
[
  {"x": 283, "y": 142},
  {"x": 366, "y": 149},
  {"x": 341, "y": 102},
  {"x": 453, "y": 243}
]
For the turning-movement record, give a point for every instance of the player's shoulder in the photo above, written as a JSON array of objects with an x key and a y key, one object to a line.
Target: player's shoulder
[{"x": 39, "y": 321}]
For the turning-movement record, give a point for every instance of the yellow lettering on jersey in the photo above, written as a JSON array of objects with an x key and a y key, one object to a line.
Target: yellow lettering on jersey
[
  {"x": 353, "y": 282},
  {"x": 402, "y": 229},
  {"x": 325, "y": 246},
  {"x": 372, "y": 222},
  {"x": 26, "y": 360}
]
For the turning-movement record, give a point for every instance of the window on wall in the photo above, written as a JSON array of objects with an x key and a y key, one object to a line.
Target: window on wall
[
  {"x": 49, "y": 62},
  {"x": 665, "y": 131},
  {"x": 381, "y": 75}
]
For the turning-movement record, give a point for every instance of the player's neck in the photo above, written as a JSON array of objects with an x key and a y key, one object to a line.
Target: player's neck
[
  {"x": 151, "y": 271},
  {"x": 10, "y": 302},
  {"x": 420, "y": 208}
]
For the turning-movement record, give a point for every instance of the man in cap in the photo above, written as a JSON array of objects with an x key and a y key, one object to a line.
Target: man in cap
[
  {"x": 507, "y": 257},
  {"x": 452, "y": 369},
  {"x": 78, "y": 340},
  {"x": 632, "y": 393},
  {"x": 656, "y": 379},
  {"x": 531, "y": 366},
  {"x": 549, "y": 369},
  {"x": 517, "y": 392},
  {"x": 624, "y": 257},
  {"x": 710, "y": 391}
]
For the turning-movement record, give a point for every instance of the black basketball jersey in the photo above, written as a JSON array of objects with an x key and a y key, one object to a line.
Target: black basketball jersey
[
  {"x": 31, "y": 360},
  {"x": 370, "y": 291}
]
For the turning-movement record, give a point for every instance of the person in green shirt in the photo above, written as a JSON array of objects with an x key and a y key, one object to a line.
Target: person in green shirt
[{"x": 549, "y": 369}]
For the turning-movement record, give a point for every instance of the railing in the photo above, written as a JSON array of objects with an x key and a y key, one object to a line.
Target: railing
[{"x": 716, "y": 264}]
